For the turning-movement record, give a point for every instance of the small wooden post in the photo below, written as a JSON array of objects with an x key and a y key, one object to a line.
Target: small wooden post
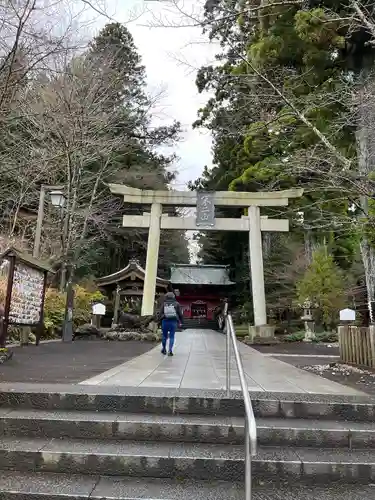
[
  {"x": 350, "y": 340},
  {"x": 371, "y": 334},
  {"x": 98, "y": 310},
  {"x": 24, "y": 335},
  {"x": 4, "y": 335},
  {"x": 343, "y": 342},
  {"x": 117, "y": 306},
  {"x": 67, "y": 334},
  {"x": 40, "y": 327}
]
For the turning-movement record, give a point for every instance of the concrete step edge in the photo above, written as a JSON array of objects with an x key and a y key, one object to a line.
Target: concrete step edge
[
  {"x": 188, "y": 451},
  {"x": 124, "y": 400},
  {"x": 228, "y": 466},
  {"x": 14, "y": 486},
  {"x": 20, "y": 422},
  {"x": 11, "y": 414},
  {"x": 55, "y": 485},
  {"x": 278, "y": 423},
  {"x": 210, "y": 432}
]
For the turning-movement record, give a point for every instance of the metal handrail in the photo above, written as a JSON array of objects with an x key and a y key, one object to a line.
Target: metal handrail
[{"x": 250, "y": 424}]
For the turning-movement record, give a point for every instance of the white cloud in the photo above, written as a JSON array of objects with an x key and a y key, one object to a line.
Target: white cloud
[{"x": 172, "y": 56}]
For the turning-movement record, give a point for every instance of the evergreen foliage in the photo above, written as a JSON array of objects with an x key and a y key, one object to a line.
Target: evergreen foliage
[
  {"x": 283, "y": 80},
  {"x": 323, "y": 286}
]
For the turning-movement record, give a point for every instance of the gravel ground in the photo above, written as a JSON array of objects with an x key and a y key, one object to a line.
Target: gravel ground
[
  {"x": 58, "y": 362},
  {"x": 314, "y": 360},
  {"x": 306, "y": 348},
  {"x": 358, "y": 378},
  {"x": 306, "y": 361}
]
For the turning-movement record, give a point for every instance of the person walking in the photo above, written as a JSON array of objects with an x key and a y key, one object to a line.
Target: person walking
[{"x": 170, "y": 315}]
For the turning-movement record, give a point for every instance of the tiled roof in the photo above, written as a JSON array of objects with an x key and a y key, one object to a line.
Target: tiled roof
[
  {"x": 26, "y": 259},
  {"x": 186, "y": 274},
  {"x": 133, "y": 267}
]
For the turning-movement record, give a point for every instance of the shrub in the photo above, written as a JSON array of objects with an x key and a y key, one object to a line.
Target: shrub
[
  {"x": 54, "y": 308},
  {"x": 319, "y": 337},
  {"x": 326, "y": 337},
  {"x": 324, "y": 286},
  {"x": 295, "y": 337},
  {"x": 83, "y": 300},
  {"x": 245, "y": 313}
]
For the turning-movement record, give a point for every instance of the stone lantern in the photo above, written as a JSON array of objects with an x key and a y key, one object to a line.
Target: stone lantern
[{"x": 309, "y": 321}]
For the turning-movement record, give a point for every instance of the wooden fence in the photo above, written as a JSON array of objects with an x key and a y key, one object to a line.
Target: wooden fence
[{"x": 357, "y": 345}]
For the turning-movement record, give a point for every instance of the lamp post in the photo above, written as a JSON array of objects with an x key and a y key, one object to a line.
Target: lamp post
[
  {"x": 57, "y": 200},
  {"x": 67, "y": 328}
]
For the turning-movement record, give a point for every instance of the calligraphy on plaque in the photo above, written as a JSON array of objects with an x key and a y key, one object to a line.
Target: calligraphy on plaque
[
  {"x": 27, "y": 295},
  {"x": 205, "y": 209}
]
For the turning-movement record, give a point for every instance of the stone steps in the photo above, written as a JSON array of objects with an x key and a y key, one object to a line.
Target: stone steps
[
  {"x": 181, "y": 440},
  {"x": 202, "y": 323},
  {"x": 185, "y": 460},
  {"x": 185, "y": 402},
  {"x": 47, "y": 486},
  {"x": 184, "y": 428}
]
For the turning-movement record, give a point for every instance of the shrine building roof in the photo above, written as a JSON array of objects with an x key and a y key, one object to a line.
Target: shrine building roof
[
  {"x": 199, "y": 274},
  {"x": 132, "y": 271},
  {"x": 26, "y": 259}
]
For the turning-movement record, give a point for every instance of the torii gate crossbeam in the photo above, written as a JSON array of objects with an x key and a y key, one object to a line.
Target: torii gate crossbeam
[{"x": 254, "y": 223}]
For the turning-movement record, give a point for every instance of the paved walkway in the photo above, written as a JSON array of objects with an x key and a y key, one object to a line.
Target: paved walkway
[{"x": 199, "y": 363}]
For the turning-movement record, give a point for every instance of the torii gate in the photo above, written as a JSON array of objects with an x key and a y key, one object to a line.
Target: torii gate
[{"x": 253, "y": 223}]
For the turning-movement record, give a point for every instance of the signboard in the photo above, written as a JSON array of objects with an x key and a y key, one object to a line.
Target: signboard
[
  {"x": 22, "y": 291},
  {"x": 98, "y": 309},
  {"x": 27, "y": 295},
  {"x": 347, "y": 315},
  {"x": 205, "y": 209}
]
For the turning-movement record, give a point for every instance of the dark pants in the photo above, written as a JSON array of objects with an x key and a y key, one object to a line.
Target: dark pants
[{"x": 168, "y": 326}]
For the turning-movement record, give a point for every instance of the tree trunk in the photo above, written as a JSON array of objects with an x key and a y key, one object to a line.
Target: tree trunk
[
  {"x": 308, "y": 246},
  {"x": 365, "y": 136},
  {"x": 266, "y": 240}
]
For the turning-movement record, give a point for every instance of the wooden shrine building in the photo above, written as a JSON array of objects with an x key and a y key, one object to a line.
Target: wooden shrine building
[
  {"x": 200, "y": 289},
  {"x": 126, "y": 286}
]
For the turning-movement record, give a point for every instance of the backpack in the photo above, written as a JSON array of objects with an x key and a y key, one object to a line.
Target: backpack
[{"x": 170, "y": 311}]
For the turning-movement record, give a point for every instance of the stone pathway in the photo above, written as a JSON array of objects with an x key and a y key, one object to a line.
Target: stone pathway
[{"x": 199, "y": 363}]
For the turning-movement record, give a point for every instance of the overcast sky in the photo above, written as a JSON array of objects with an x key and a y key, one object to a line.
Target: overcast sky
[{"x": 171, "y": 56}]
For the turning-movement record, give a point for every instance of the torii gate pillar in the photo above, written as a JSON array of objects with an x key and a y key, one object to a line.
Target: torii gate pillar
[
  {"x": 153, "y": 242},
  {"x": 254, "y": 224},
  {"x": 256, "y": 266}
]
